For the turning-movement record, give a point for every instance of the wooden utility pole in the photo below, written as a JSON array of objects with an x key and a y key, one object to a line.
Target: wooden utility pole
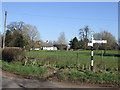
[{"x": 4, "y": 29}]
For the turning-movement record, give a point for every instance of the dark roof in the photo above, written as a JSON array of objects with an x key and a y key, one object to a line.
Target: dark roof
[
  {"x": 46, "y": 44},
  {"x": 61, "y": 46}
]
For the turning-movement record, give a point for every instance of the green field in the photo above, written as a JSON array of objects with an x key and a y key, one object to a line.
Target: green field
[
  {"x": 76, "y": 58},
  {"x": 70, "y": 65}
]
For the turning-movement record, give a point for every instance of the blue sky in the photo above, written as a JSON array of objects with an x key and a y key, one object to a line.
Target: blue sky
[{"x": 51, "y": 18}]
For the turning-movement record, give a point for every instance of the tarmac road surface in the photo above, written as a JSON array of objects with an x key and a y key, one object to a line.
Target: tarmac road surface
[{"x": 15, "y": 81}]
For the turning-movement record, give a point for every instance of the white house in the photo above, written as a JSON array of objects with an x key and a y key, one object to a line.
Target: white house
[
  {"x": 36, "y": 48},
  {"x": 47, "y": 46}
]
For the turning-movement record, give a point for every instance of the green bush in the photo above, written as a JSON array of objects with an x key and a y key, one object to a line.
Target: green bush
[{"x": 12, "y": 54}]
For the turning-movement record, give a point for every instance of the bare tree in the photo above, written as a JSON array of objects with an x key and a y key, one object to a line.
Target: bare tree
[
  {"x": 81, "y": 33},
  {"x": 31, "y": 35},
  {"x": 15, "y": 26},
  {"x": 84, "y": 33},
  {"x": 111, "y": 41},
  {"x": 84, "y": 36},
  {"x": 61, "y": 39},
  {"x": 86, "y": 30},
  {"x": 26, "y": 29},
  {"x": 32, "y": 32}
]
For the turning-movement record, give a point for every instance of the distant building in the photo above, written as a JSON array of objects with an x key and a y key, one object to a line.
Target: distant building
[
  {"x": 36, "y": 48},
  {"x": 47, "y": 46},
  {"x": 61, "y": 46}
]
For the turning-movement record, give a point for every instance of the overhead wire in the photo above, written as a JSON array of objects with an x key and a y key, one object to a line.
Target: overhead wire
[{"x": 62, "y": 17}]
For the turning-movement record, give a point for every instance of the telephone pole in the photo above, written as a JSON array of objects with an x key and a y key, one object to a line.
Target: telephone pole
[{"x": 4, "y": 29}]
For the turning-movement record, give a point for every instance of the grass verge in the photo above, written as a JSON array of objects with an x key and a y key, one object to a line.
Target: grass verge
[
  {"x": 27, "y": 70},
  {"x": 89, "y": 77},
  {"x": 66, "y": 74}
]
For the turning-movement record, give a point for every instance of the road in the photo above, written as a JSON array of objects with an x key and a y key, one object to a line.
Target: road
[{"x": 16, "y": 81}]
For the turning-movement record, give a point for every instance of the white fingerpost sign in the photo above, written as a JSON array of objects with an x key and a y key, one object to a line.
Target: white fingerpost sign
[
  {"x": 99, "y": 41},
  {"x": 91, "y": 44}
]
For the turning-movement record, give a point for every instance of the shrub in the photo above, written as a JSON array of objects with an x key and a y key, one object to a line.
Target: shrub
[{"x": 12, "y": 54}]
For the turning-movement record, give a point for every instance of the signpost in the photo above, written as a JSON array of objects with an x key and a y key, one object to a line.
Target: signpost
[
  {"x": 99, "y": 41},
  {"x": 91, "y": 44}
]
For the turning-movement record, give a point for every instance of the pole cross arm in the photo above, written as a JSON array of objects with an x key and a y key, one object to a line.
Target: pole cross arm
[
  {"x": 99, "y": 41},
  {"x": 90, "y": 44}
]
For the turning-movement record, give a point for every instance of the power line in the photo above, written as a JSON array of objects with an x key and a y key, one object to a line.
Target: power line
[{"x": 61, "y": 17}]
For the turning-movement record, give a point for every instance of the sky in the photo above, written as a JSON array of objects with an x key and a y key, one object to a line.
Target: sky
[{"x": 52, "y": 18}]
